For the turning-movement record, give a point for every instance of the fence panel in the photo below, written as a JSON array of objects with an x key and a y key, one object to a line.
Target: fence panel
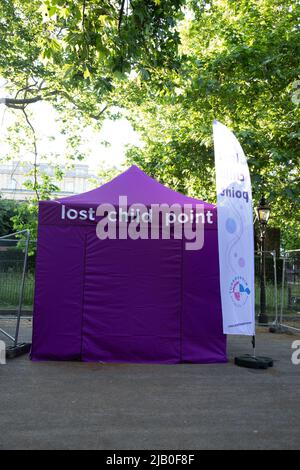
[
  {"x": 290, "y": 291},
  {"x": 272, "y": 294},
  {"x": 12, "y": 256},
  {"x": 282, "y": 288}
]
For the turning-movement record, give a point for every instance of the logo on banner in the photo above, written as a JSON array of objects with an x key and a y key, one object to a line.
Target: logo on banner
[{"x": 239, "y": 291}]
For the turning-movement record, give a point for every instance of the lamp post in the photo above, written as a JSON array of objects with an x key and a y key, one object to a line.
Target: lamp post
[
  {"x": 254, "y": 361},
  {"x": 263, "y": 214}
]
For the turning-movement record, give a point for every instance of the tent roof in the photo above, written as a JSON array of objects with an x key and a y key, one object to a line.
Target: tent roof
[{"x": 137, "y": 186}]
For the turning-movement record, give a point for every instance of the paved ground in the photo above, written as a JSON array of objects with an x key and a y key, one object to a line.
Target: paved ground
[{"x": 91, "y": 406}]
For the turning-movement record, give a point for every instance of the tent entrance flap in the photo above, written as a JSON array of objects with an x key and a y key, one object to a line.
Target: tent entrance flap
[{"x": 132, "y": 300}]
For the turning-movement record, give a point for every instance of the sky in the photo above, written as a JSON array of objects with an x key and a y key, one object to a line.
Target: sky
[{"x": 117, "y": 133}]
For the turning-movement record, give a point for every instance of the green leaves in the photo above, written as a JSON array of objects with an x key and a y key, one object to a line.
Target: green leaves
[
  {"x": 84, "y": 49},
  {"x": 7, "y": 210},
  {"x": 238, "y": 65},
  {"x": 174, "y": 65}
]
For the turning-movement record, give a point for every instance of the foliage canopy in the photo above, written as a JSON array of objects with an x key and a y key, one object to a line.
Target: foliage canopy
[{"x": 173, "y": 66}]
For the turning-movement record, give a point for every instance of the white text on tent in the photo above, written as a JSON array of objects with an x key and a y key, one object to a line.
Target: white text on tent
[{"x": 159, "y": 221}]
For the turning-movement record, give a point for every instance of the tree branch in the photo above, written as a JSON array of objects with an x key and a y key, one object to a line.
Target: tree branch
[
  {"x": 121, "y": 12},
  {"x": 19, "y": 103},
  {"x": 83, "y": 16},
  {"x": 73, "y": 101},
  {"x": 35, "y": 154},
  {"x": 97, "y": 116},
  {"x": 26, "y": 88}
]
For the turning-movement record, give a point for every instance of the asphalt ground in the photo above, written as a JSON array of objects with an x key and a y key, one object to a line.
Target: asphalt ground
[{"x": 72, "y": 405}]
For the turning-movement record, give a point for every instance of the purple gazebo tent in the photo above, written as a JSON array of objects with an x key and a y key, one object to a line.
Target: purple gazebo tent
[{"x": 143, "y": 301}]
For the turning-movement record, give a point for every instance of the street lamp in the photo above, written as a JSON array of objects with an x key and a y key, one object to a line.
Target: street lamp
[
  {"x": 263, "y": 214},
  {"x": 254, "y": 361}
]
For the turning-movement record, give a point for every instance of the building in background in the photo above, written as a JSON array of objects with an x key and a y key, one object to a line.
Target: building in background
[{"x": 13, "y": 176}]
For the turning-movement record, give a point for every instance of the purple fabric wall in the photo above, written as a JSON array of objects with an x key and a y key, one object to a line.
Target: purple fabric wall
[
  {"x": 202, "y": 336},
  {"x": 132, "y": 300},
  {"x": 58, "y": 293},
  {"x": 124, "y": 300}
]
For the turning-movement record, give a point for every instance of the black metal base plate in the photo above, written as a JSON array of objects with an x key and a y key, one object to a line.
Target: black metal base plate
[
  {"x": 19, "y": 350},
  {"x": 251, "y": 362}
]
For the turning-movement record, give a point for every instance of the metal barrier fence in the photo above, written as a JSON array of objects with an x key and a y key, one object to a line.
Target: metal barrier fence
[
  {"x": 290, "y": 291},
  {"x": 11, "y": 264},
  {"x": 16, "y": 289},
  {"x": 273, "y": 268},
  {"x": 282, "y": 287}
]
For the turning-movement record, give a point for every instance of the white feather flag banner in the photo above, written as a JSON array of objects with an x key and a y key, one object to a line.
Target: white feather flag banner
[{"x": 235, "y": 233}]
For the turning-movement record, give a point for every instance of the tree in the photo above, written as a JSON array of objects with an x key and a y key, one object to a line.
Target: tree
[
  {"x": 106, "y": 173},
  {"x": 8, "y": 210},
  {"x": 73, "y": 55},
  {"x": 239, "y": 64},
  {"x": 21, "y": 215}
]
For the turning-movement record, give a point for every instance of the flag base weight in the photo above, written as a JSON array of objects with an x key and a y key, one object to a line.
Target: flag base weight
[
  {"x": 253, "y": 362},
  {"x": 19, "y": 350}
]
